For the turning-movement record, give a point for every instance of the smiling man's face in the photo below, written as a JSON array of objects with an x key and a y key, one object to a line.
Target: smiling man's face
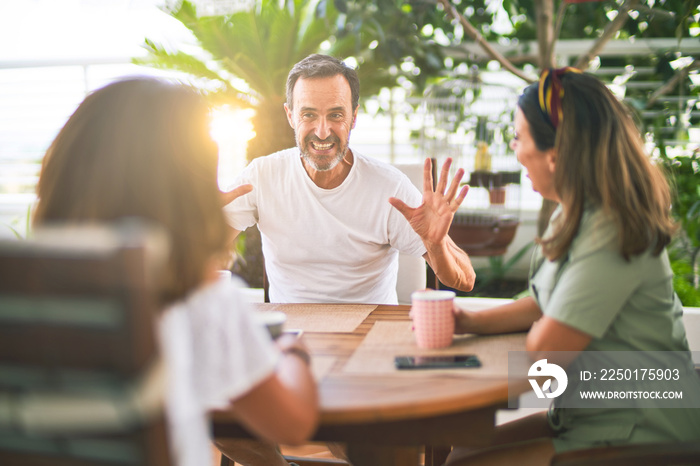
[{"x": 322, "y": 118}]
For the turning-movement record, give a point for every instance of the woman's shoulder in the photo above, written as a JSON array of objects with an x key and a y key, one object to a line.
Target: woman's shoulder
[
  {"x": 213, "y": 298},
  {"x": 597, "y": 232}
]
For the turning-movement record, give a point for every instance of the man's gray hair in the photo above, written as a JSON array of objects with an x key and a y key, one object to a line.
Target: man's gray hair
[{"x": 323, "y": 66}]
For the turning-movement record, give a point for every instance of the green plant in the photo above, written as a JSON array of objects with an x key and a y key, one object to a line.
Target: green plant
[
  {"x": 13, "y": 226},
  {"x": 498, "y": 268},
  {"x": 682, "y": 284},
  {"x": 683, "y": 172},
  {"x": 14, "y": 231},
  {"x": 242, "y": 59}
]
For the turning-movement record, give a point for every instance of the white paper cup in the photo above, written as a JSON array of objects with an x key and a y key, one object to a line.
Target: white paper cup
[{"x": 433, "y": 319}]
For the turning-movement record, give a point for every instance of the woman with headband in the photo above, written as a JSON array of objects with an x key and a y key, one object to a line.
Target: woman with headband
[{"x": 600, "y": 278}]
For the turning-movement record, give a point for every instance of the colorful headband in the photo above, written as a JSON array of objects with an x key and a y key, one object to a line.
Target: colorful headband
[{"x": 551, "y": 92}]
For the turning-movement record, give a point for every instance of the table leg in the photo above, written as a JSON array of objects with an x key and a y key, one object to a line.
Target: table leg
[
  {"x": 436, "y": 456},
  {"x": 382, "y": 455}
]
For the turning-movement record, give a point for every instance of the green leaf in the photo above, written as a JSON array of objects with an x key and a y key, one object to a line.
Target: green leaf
[
  {"x": 518, "y": 255},
  {"x": 341, "y": 5}
]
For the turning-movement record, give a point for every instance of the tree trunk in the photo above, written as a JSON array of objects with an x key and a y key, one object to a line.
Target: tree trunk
[
  {"x": 272, "y": 130},
  {"x": 472, "y": 32},
  {"x": 272, "y": 134},
  {"x": 545, "y": 32},
  {"x": 611, "y": 29},
  {"x": 545, "y": 41}
]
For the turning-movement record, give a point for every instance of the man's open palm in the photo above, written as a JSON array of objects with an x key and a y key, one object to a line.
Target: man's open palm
[{"x": 432, "y": 219}]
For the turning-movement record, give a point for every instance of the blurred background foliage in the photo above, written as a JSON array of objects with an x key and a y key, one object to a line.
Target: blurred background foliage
[
  {"x": 684, "y": 175},
  {"x": 242, "y": 59}
]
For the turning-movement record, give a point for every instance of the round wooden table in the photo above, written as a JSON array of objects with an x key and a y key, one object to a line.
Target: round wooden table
[{"x": 387, "y": 418}]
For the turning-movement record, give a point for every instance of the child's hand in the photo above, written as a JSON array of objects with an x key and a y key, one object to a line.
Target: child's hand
[{"x": 228, "y": 197}]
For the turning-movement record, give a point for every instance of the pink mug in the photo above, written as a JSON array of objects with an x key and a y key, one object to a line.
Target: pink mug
[{"x": 433, "y": 319}]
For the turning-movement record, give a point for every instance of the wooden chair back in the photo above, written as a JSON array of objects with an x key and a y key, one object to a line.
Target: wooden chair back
[{"x": 80, "y": 378}]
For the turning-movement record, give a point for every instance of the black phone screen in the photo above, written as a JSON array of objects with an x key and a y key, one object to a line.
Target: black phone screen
[{"x": 437, "y": 362}]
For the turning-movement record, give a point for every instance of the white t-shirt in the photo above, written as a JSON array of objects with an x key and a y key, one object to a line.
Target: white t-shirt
[
  {"x": 214, "y": 352},
  {"x": 328, "y": 245}
]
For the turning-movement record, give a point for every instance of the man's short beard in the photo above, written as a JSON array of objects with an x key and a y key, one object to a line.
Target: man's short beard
[
  {"x": 326, "y": 166},
  {"x": 330, "y": 164}
]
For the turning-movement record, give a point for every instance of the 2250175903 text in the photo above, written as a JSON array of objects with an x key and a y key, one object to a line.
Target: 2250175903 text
[{"x": 631, "y": 374}]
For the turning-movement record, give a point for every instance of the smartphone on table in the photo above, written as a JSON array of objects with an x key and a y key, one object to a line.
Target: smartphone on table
[{"x": 451, "y": 361}]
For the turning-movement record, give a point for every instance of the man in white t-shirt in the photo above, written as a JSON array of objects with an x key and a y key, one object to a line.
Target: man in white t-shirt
[{"x": 333, "y": 221}]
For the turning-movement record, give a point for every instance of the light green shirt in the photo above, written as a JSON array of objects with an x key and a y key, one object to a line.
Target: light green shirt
[{"x": 623, "y": 306}]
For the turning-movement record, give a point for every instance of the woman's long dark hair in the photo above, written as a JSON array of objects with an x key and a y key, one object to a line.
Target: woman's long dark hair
[
  {"x": 141, "y": 148},
  {"x": 601, "y": 161}
]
